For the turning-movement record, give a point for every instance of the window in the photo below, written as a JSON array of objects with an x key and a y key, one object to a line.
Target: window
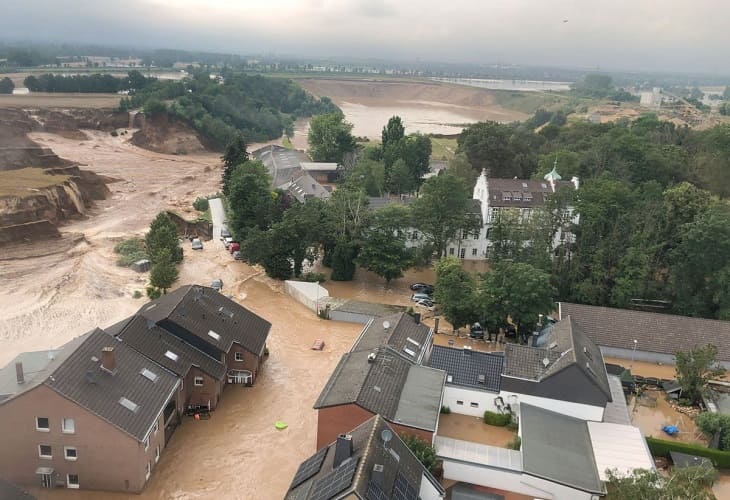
[
  {"x": 149, "y": 375},
  {"x": 459, "y": 402},
  {"x": 476, "y": 235},
  {"x": 155, "y": 428},
  {"x": 473, "y": 252},
  {"x": 198, "y": 381},
  {"x": 214, "y": 335},
  {"x": 147, "y": 443},
  {"x": 68, "y": 426},
  {"x": 148, "y": 470},
  {"x": 45, "y": 451},
  {"x": 171, "y": 355},
  {"x": 474, "y": 405},
  {"x": 69, "y": 452},
  {"x": 42, "y": 424},
  {"x": 157, "y": 453},
  {"x": 72, "y": 481},
  {"x": 517, "y": 196},
  {"x": 129, "y": 405},
  {"x": 462, "y": 254},
  {"x": 239, "y": 356},
  {"x": 506, "y": 196},
  {"x": 451, "y": 251}
]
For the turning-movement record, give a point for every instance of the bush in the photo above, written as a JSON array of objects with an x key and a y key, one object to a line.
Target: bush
[
  {"x": 661, "y": 448},
  {"x": 515, "y": 444},
  {"x": 445, "y": 410},
  {"x": 313, "y": 277},
  {"x": 137, "y": 294},
  {"x": 200, "y": 204},
  {"x": 153, "y": 293},
  {"x": 709, "y": 423},
  {"x": 497, "y": 419},
  {"x": 131, "y": 250},
  {"x": 114, "y": 133}
]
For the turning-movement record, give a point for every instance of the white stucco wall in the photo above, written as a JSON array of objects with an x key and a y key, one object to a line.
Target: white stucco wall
[
  {"x": 484, "y": 400},
  {"x": 428, "y": 491},
  {"x": 513, "y": 481}
]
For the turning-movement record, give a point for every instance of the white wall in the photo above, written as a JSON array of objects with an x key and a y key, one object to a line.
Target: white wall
[
  {"x": 428, "y": 491},
  {"x": 485, "y": 401},
  {"x": 513, "y": 481}
]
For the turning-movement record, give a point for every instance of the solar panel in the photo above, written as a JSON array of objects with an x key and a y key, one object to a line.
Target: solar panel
[
  {"x": 403, "y": 490},
  {"x": 375, "y": 492},
  {"x": 336, "y": 481},
  {"x": 309, "y": 468}
]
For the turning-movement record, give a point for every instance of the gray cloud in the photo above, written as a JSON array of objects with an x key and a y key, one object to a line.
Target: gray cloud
[{"x": 622, "y": 34}]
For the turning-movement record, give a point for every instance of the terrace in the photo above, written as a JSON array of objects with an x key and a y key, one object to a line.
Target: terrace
[{"x": 473, "y": 429}]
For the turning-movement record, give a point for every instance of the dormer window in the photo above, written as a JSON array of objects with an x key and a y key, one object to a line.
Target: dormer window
[
  {"x": 517, "y": 196},
  {"x": 527, "y": 196},
  {"x": 506, "y": 196}
]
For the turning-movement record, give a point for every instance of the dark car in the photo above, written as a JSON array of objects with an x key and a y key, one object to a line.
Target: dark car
[
  {"x": 238, "y": 255},
  {"x": 476, "y": 331},
  {"x": 225, "y": 232},
  {"x": 422, "y": 288},
  {"x": 217, "y": 285}
]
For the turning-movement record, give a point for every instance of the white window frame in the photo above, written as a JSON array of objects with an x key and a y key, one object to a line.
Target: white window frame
[
  {"x": 147, "y": 443},
  {"x": 69, "y": 484},
  {"x": 236, "y": 356},
  {"x": 155, "y": 428},
  {"x": 473, "y": 252},
  {"x": 64, "y": 429},
  {"x": 157, "y": 453},
  {"x": 148, "y": 471},
  {"x": 198, "y": 379},
  {"x": 43, "y": 429},
  {"x": 41, "y": 455},
  {"x": 65, "y": 453}
]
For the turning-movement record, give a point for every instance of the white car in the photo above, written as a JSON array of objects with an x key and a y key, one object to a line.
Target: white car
[
  {"x": 197, "y": 244},
  {"x": 227, "y": 241},
  {"x": 417, "y": 297}
]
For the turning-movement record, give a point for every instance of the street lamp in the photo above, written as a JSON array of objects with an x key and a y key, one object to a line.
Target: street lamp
[{"x": 633, "y": 352}]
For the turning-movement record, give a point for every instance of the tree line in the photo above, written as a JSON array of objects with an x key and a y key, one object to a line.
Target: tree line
[{"x": 95, "y": 83}]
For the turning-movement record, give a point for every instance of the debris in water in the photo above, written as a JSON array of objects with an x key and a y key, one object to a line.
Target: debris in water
[{"x": 281, "y": 425}]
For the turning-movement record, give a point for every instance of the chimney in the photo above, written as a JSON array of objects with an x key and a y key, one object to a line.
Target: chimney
[
  {"x": 19, "y": 373},
  {"x": 417, "y": 318},
  {"x": 436, "y": 325},
  {"x": 343, "y": 449},
  {"x": 108, "y": 362}
]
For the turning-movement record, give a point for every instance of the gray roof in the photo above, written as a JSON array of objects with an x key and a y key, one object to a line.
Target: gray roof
[
  {"x": 616, "y": 411},
  {"x": 145, "y": 337},
  {"x": 558, "y": 448},
  {"x": 537, "y": 192},
  {"x": 81, "y": 379},
  {"x": 319, "y": 166},
  {"x": 8, "y": 491},
  {"x": 561, "y": 344},
  {"x": 367, "y": 308},
  {"x": 282, "y": 163},
  {"x": 687, "y": 460},
  {"x": 303, "y": 187},
  {"x": 399, "y": 476},
  {"x": 659, "y": 333},
  {"x": 408, "y": 338},
  {"x": 200, "y": 309},
  {"x": 399, "y": 390},
  {"x": 468, "y": 368}
]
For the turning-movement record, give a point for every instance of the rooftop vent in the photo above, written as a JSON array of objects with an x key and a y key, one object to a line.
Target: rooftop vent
[
  {"x": 553, "y": 345},
  {"x": 377, "y": 388},
  {"x": 386, "y": 325},
  {"x": 545, "y": 362},
  {"x": 482, "y": 379},
  {"x": 371, "y": 357},
  {"x": 94, "y": 359},
  {"x": 449, "y": 378}
]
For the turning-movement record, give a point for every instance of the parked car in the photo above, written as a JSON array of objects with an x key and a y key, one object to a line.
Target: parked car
[
  {"x": 420, "y": 296},
  {"x": 426, "y": 303},
  {"x": 197, "y": 244},
  {"x": 234, "y": 247},
  {"x": 476, "y": 331},
  {"x": 217, "y": 285},
  {"x": 225, "y": 232},
  {"x": 227, "y": 242},
  {"x": 422, "y": 287},
  {"x": 238, "y": 255}
]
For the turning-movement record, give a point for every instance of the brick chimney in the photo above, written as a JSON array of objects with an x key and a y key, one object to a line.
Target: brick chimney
[
  {"x": 19, "y": 373},
  {"x": 108, "y": 362}
]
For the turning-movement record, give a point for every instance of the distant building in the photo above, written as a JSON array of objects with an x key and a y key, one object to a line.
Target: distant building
[
  {"x": 367, "y": 462},
  {"x": 321, "y": 171}
]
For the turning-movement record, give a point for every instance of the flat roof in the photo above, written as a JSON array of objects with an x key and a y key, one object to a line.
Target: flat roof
[
  {"x": 477, "y": 453},
  {"x": 420, "y": 400},
  {"x": 618, "y": 447},
  {"x": 616, "y": 411},
  {"x": 311, "y": 166}
]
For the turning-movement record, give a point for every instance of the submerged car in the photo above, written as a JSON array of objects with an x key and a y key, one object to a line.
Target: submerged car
[
  {"x": 420, "y": 296},
  {"x": 217, "y": 285},
  {"x": 225, "y": 232},
  {"x": 426, "y": 303},
  {"x": 197, "y": 244},
  {"x": 238, "y": 255},
  {"x": 476, "y": 331},
  {"x": 422, "y": 288}
]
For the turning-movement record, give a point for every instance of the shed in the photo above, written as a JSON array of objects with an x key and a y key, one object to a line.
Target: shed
[
  {"x": 141, "y": 266},
  {"x": 686, "y": 460}
]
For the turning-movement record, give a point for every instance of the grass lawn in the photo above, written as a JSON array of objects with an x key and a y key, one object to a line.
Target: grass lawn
[
  {"x": 443, "y": 148},
  {"x": 26, "y": 181}
]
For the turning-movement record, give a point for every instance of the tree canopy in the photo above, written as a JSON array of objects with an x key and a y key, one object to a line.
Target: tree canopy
[
  {"x": 234, "y": 155},
  {"x": 383, "y": 249},
  {"x": 695, "y": 368},
  {"x": 250, "y": 198},
  {"x": 330, "y": 138},
  {"x": 455, "y": 292}
]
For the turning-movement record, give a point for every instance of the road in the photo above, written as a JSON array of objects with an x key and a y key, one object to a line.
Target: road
[{"x": 218, "y": 214}]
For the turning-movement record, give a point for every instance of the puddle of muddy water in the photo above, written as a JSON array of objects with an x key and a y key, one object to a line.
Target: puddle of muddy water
[
  {"x": 651, "y": 419},
  {"x": 468, "y": 428}
]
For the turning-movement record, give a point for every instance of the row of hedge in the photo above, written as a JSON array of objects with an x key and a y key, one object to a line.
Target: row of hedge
[{"x": 661, "y": 448}]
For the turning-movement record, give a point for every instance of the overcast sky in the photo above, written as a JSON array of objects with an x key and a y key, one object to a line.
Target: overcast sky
[{"x": 678, "y": 35}]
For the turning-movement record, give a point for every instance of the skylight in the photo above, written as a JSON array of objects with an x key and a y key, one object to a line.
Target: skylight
[
  {"x": 409, "y": 352},
  {"x": 129, "y": 405},
  {"x": 149, "y": 374},
  {"x": 171, "y": 355},
  {"x": 413, "y": 342},
  {"x": 214, "y": 335},
  {"x": 151, "y": 306}
]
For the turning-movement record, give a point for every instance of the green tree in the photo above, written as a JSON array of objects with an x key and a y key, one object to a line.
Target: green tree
[
  {"x": 154, "y": 107},
  {"x": 250, "y": 199},
  {"x": 517, "y": 290},
  {"x": 343, "y": 260},
  {"x": 503, "y": 150},
  {"x": 400, "y": 179},
  {"x": 6, "y": 86},
  {"x": 695, "y": 368},
  {"x": 330, "y": 138},
  {"x": 460, "y": 167},
  {"x": 235, "y": 154},
  {"x": 440, "y": 212},
  {"x": 454, "y": 290},
  {"x": 383, "y": 249},
  {"x": 393, "y": 131},
  {"x": 424, "y": 451},
  {"x": 163, "y": 272},
  {"x": 299, "y": 234},
  {"x": 369, "y": 175},
  {"x": 686, "y": 483},
  {"x": 162, "y": 237}
]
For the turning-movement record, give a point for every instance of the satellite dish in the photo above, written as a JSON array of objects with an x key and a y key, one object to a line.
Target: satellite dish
[
  {"x": 386, "y": 435},
  {"x": 386, "y": 324},
  {"x": 545, "y": 362}
]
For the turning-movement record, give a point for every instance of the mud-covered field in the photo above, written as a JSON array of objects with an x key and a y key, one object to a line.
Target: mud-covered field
[{"x": 47, "y": 100}]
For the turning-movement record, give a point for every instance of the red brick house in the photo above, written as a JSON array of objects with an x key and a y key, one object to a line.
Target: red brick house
[
  {"x": 94, "y": 414},
  {"x": 216, "y": 325},
  {"x": 380, "y": 381}
]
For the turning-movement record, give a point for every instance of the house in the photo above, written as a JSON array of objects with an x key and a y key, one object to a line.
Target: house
[
  {"x": 303, "y": 187},
  {"x": 203, "y": 376},
  {"x": 367, "y": 462},
  {"x": 321, "y": 171},
  {"x": 282, "y": 163},
  {"x": 94, "y": 414},
  {"x": 560, "y": 457},
  {"x": 214, "y": 324},
  {"x": 647, "y": 336},
  {"x": 404, "y": 333},
  {"x": 381, "y": 381}
]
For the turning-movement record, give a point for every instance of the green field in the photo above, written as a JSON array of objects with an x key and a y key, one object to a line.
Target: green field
[
  {"x": 529, "y": 102},
  {"x": 443, "y": 148}
]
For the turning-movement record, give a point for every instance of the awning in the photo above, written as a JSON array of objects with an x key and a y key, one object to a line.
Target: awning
[{"x": 44, "y": 470}]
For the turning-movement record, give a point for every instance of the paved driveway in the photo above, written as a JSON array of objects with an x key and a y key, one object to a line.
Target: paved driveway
[{"x": 218, "y": 214}]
